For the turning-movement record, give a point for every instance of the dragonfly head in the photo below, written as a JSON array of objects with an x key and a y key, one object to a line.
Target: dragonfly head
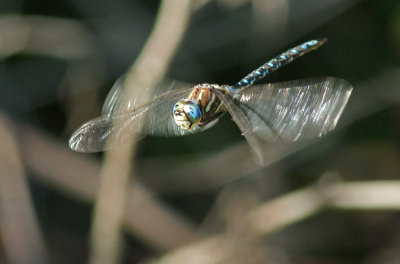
[{"x": 187, "y": 114}]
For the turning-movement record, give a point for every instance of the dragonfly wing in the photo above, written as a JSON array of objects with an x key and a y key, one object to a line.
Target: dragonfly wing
[
  {"x": 114, "y": 97},
  {"x": 240, "y": 118},
  {"x": 119, "y": 100},
  {"x": 295, "y": 110},
  {"x": 115, "y": 129}
]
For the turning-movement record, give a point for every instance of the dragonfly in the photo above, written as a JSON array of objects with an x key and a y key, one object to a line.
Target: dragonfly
[{"x": 285, "y": 111}]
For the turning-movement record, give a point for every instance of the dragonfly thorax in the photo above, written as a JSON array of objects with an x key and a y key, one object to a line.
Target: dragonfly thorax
[{"x": 200, "y": 108}]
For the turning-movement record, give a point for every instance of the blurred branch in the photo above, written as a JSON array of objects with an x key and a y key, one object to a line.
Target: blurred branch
[
  {"x": 58, "y": 37},
  {"x": 20, "y": 232},
  {"x": 373, "y": 195},
  {"x": 288, "y": 209},
  {"x": 77, "y": 175},
  {"x": 147, "y": 71},
  {"x": 276, "y": 214}
]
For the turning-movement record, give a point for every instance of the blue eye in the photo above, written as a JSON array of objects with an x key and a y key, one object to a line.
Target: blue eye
[
  {"x": 179, "y": 105},
  {"x": 175, "y": 107},
  {"x": 192, "y": 111},
  {"x": 187, "y": 114}
]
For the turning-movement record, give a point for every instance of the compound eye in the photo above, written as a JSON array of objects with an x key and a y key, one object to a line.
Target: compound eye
[
  {"x": 192, "y": 111},
  {"x": 176, "y": 106},
  {"x": 187, "y": 114}
]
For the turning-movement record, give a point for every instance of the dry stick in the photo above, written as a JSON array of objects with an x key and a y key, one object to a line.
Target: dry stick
[
  {"x": 41, "y": 35},
  {"x": 286, "y": 210},
  {"x": 150, "y": 67},
  {"x": 20, "y": 232}
]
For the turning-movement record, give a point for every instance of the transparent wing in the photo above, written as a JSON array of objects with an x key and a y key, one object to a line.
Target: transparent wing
[
  {"x": 240, "y": 118},
  {"x": 115, "y": 128},
  {"x": 117, "y": 101},
  {"x": 114, "y": 97},
  {"x": 295, "y": 110}
]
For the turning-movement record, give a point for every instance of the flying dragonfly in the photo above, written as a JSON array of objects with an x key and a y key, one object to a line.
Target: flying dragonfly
[{"x": 286, "y": 111}]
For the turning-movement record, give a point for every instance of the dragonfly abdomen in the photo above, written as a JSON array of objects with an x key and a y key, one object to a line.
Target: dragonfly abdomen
[{"x": 277, "y": 62}]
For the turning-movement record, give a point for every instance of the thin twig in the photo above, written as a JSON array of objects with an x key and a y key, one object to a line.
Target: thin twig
[
  {"x": 276, "y": 214},
  {"x": 149, "y": 69}
]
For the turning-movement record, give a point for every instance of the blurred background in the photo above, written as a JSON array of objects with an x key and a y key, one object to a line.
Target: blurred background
[{"x": 200, "y": 198}]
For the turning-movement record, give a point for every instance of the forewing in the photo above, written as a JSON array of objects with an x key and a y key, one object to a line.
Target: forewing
[
  {"x": 119, "y": 100},
  {"x": 115, "y": 129},
  {"x": 295, "y": 110}
]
